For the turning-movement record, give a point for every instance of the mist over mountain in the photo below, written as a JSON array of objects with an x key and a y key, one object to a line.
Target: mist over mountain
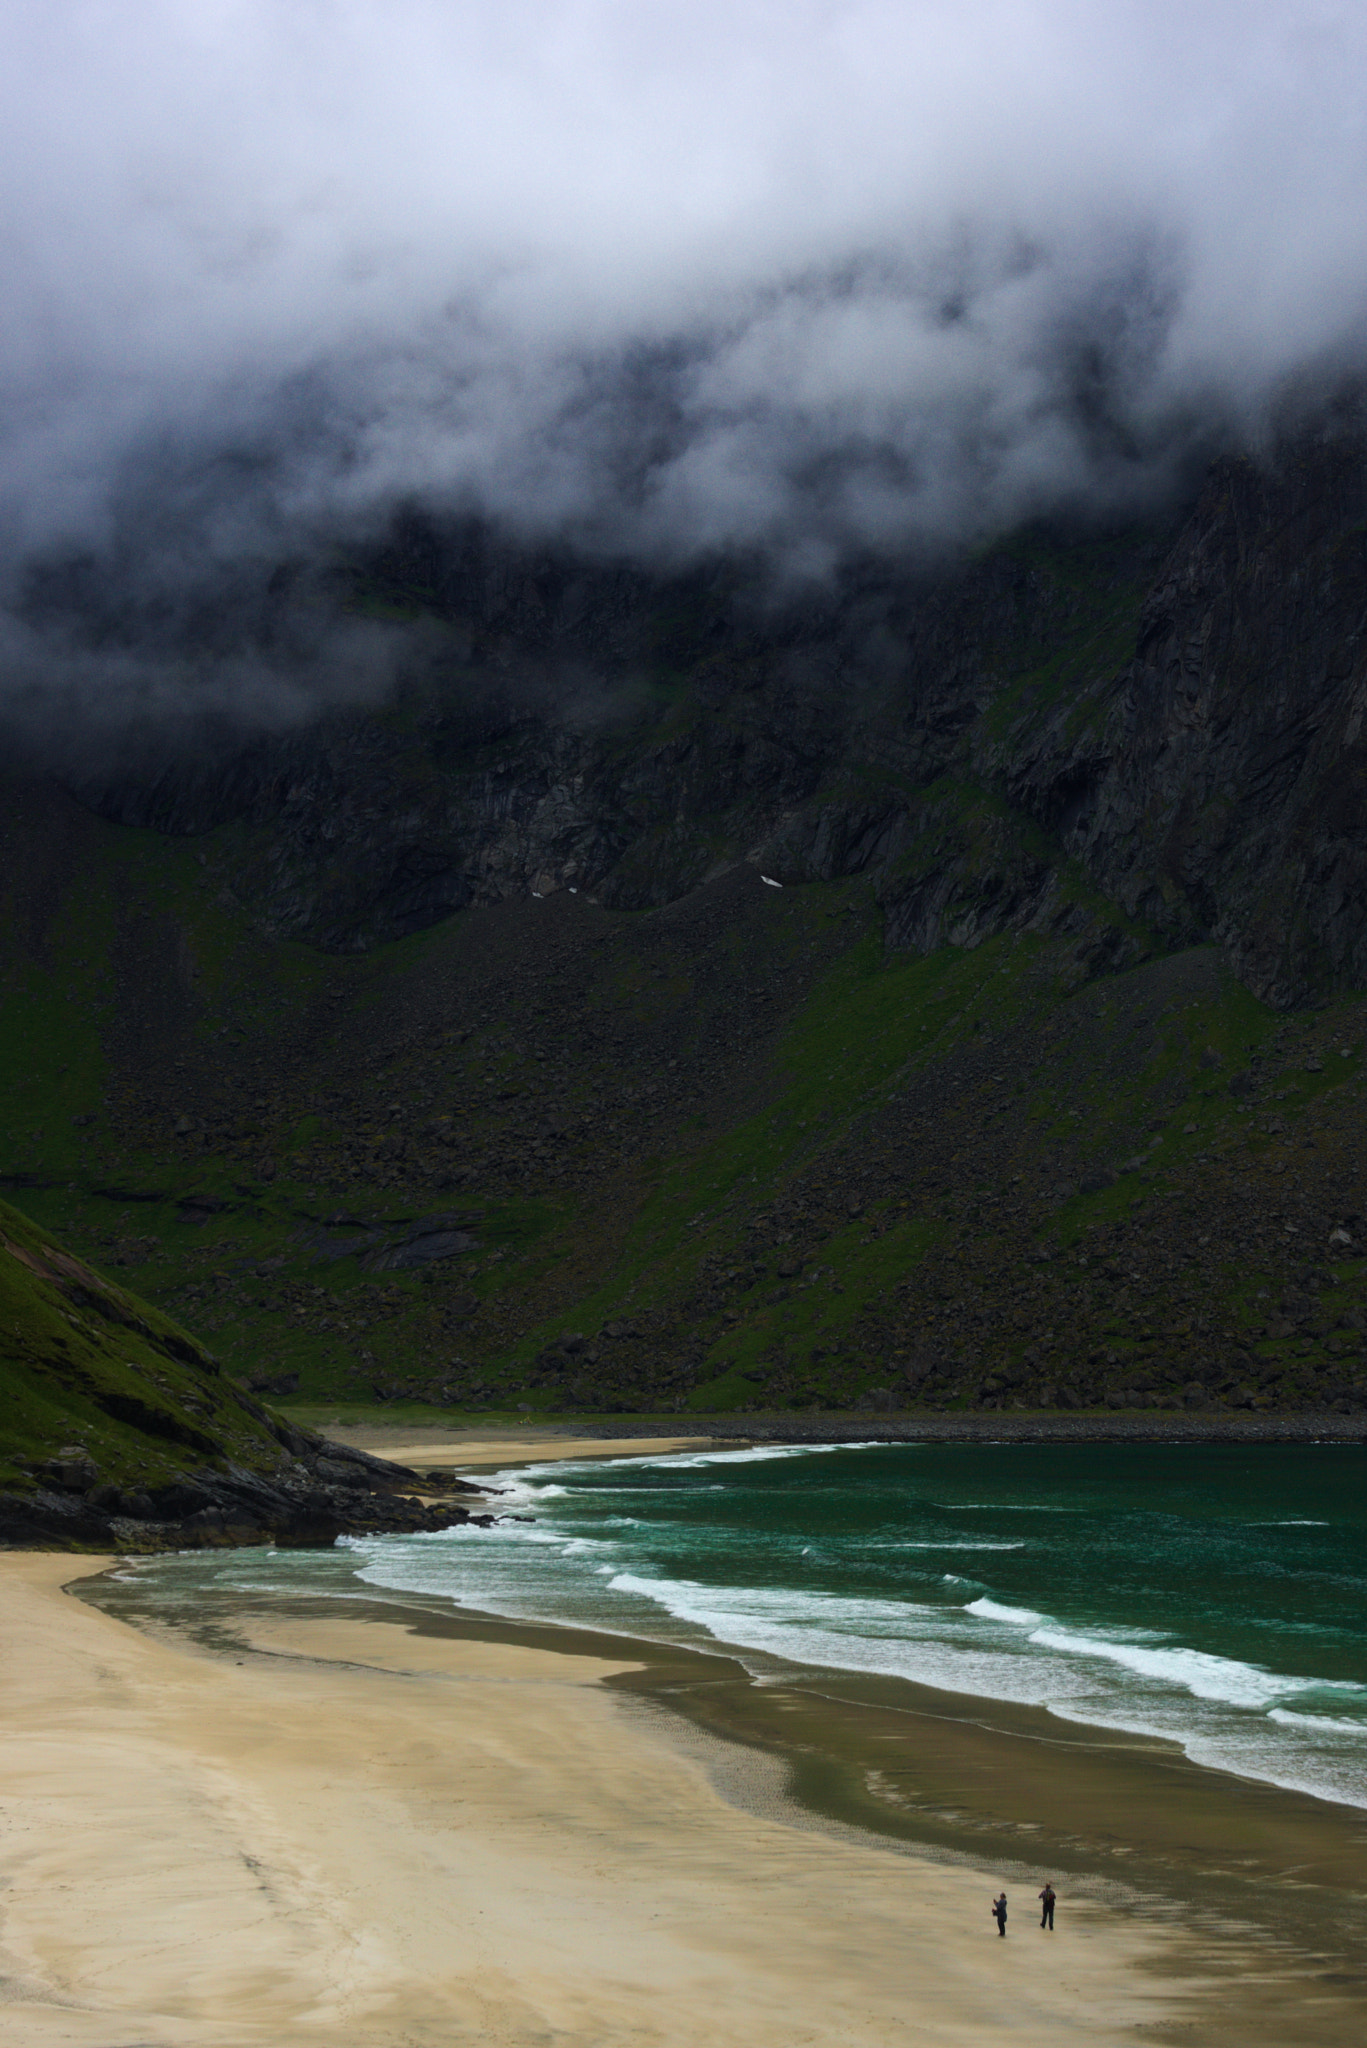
[{"x": 651, "y": 284}]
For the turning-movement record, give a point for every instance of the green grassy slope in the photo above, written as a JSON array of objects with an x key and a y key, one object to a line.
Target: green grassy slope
[
  {"x": 740, "y": 1153},
  {"x": 955, "y": 1144},
  {"x": 85, "y": 1362}
]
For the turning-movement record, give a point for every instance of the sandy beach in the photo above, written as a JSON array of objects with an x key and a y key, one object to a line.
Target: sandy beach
[
  {"x": 359, "y": 1837},
  {"x": 478, "y": 1450}
]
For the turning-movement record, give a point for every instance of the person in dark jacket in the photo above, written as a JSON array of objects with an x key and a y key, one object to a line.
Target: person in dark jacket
[
  {"x": 1046, "y": 1900},
  {"x": 999, "y": 1912}
]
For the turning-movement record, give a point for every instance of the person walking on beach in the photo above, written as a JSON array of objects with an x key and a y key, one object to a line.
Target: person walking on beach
[
  {"x": 1046, "y": 1899},
  {"x": 999, "y": 1912}
]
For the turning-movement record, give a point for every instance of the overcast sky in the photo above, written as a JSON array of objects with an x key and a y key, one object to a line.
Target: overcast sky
[{"x": 662, "y": 276}]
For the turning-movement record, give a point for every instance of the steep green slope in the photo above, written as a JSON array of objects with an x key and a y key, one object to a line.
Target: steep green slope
[
  {"x": 119, "y": 1432},
  {"x": 728, "y": 1154},
  {"x": 89, "y": 1369}
]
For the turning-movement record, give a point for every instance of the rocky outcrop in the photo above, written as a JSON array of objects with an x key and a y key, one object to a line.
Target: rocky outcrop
[{"x": 329, "y": 1491}]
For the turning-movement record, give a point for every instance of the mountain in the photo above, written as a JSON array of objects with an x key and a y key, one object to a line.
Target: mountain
[{"x": 941, "y": 987}]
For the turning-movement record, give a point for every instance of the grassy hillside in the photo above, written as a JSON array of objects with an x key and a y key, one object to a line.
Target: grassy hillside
[
  {"x": 85, "y": 1365},
  {"x": 730, "y": 1154}
]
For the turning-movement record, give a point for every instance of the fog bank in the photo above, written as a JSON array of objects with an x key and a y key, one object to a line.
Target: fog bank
[{"x": 645, "y": 277}]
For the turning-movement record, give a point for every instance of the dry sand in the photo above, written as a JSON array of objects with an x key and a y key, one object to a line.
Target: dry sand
[
  {"x": 366, "y": 1839},
  {"x": 472, "y": 1449}
]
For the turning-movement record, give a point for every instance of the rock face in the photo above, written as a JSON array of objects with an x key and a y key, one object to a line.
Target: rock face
[
  {"x": 1149, "y": 739},
  {"x": 329, "y": 1491},
  {"x": 1217, "y": 788}
]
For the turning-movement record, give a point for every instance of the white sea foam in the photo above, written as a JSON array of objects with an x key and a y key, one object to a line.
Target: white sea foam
[
  {"x": 993, "y": 1610},
  {"x": 689, "y": 1461},
  {"x": 1204, "y": 1676},
  {"x": 1320, "y": 1724},
  {"x": 624, "y": 1492},
  {"x": 856, "y": 1612},
  {"x": 1141, "y": 1651},
  {"x": 1006, "y": 1507},
  {"x": 836, "y": 1632}
]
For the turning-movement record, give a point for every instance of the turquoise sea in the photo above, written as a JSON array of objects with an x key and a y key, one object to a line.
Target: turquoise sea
[{"x": 1215, "y": 1595}]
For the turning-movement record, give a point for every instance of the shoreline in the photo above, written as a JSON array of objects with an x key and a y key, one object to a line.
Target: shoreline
[
  {"x": 350, "y": 1831},
  {"x": 780, "y": 1427},
  {"x": 477, "y": 1449}
]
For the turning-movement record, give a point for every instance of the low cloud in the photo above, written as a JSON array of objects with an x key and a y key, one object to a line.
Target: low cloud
[{"x": 651, "y": 279}]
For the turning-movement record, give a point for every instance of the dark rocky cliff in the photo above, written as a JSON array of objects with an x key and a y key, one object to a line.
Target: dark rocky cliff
[
  {"x": 1148, "y": 738},
  {"x": 1218, "y": 784}
]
